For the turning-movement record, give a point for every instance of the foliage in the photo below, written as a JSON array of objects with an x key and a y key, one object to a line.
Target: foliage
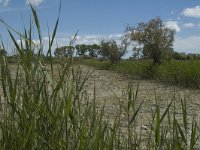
[
  {"x": 94, "y": 50},
  {"x": 184, "y": 56},
  {"x": 154, "y": 37},
  {"x": 112, "y": 51},
  {"x": 64, "y": 51},
  {"x": 81, "y": 49},
  {"x": 167, "y": 54}
]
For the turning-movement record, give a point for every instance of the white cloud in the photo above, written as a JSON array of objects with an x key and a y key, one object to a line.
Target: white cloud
[
  {"x": 188, "y": 25},
  {"x": 88, "y": 39},
  {"x": 4, "y": 2},
  {"x": 173, "y": 25},
  {"x": 36, "y": 42},
  {"x": 192, "y": 12},
  {"x": 114, "y": 36},
  {"x": 189, "y": 44},
  {"x": 34, "y": 2}
]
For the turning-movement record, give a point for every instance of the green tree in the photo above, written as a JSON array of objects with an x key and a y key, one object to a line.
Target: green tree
[
  {"x": 94, "y": 50},
  {"x": 136, "y": 52},
  {"x": 154, "y": 37},
  {"x": 111, "y": 50},
  {"x": 167, "y": 54},
  {"x": 179, "y": 56},
  {"x": 81, "y": 49},
  {"x": 64, "y": 51}
]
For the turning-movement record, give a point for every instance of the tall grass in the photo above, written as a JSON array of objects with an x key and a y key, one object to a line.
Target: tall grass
[
  {"x": 133, "y": 68},
  {"x": 45, "y": 109},
  {"x": 183, "y": 73}
]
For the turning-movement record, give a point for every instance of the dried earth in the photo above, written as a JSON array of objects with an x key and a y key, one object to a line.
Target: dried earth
[{"x": 110, "y": 88}]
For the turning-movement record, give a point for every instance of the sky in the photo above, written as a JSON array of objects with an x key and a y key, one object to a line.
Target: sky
[{"x": 95, "y": 20}]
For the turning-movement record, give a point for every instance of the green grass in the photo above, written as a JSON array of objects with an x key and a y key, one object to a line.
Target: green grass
[
  {"x": 42, "y": 109},
  {"x": 103, "y": 65},
  {"x": 183, "y": 73}
]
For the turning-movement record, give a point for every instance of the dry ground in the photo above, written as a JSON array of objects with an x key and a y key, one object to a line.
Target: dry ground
[
  {"x": 109, "y": 91},
  {"x": 110, "y": 88}
]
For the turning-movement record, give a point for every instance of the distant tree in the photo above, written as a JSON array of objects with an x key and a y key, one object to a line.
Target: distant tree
[
  {"x": 154, "y": 37},
  {"x": 179, "y": 56},
  {"x": 196, "y": 56},
  {"x": 137, "y": 52},
  {"x": 94, "y": 50},
  {"x": 108, "y": 48},
  {"x": 111, "y": 50},
  {"x": 70, "y": 50},
  {"x": 60, "y": 51},
  {"x": 81, "y": 49},
  {"x": 64, "y": 51},
  {"x": 192, "y": 56}
]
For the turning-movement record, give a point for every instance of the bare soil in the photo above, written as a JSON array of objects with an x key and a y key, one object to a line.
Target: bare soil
[{"x": 110, "y": 88}]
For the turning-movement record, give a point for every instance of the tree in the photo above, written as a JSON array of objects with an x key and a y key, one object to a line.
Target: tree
[
  {"x": 111, "y": 50},
  {"x": 70, "y": 50},
  {"x": 81, "y": 49},
  {"x": 64, "y": 51},
  {"x": 136, "y": 52},
  {"x": 93, "y": 50},
  {"x": 154, "y": 37},
  {"x": 179, "y": 56},
  {"x": 167, "y": 54}
]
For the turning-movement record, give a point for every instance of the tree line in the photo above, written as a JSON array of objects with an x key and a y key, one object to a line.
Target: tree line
[
  {"x": 150, "y": 40},
  {"x": 106, "y": 49}
]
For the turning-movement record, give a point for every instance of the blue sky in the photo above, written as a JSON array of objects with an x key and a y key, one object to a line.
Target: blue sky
[{"x": 104, "y": 19}]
